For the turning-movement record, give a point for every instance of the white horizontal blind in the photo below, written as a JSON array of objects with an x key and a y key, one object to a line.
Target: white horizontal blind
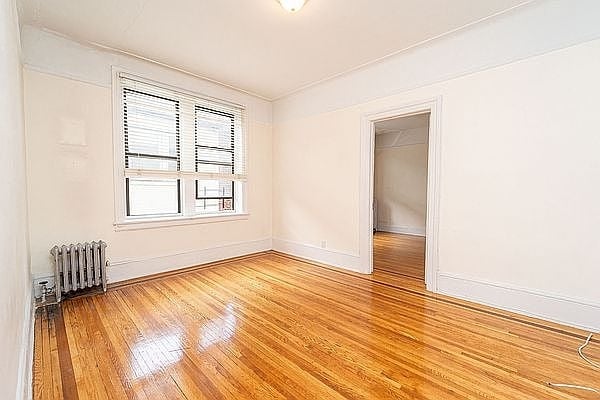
[
  {"x": 167, "y": 131},
  {"x": 184, "y": 154}
]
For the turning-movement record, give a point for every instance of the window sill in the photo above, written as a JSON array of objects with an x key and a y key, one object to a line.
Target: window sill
[{"x": 133, "y": 225}]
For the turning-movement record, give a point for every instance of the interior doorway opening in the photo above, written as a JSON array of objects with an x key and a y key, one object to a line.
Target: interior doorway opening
[
  {"x": 433, "y": 106},
  {"x": 400, "y": 171}
]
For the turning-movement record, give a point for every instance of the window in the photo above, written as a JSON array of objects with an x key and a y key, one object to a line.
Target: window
[
  {"x": 182, "y": 156},
  {"x": 215, "y": 152}
]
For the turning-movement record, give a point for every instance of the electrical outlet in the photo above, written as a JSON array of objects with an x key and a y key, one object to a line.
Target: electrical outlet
[{"x": 323, "y": 244}]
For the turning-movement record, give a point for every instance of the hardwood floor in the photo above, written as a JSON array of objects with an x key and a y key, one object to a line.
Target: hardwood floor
[
  {"x": 399, "y": 254},
  {"x": 273, "y": 327}
]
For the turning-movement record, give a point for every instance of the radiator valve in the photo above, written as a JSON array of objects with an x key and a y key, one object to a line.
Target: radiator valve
[{"x": 44, "y": 290}]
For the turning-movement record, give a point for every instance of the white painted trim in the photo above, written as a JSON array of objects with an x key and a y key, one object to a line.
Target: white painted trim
[
  {"x": 367, "y": 160},
  {"x": 130, "y": 269},
  {"x": 133, "y": 224},
  {"x": 365, "y": 193},
  {"x": 118, "y": 148},
  {"x": 24, "y": 389},
  {"x": 405, "y": 230},
  {"x": 334, "y": 258},
  {"x": 564, "y": 310}
]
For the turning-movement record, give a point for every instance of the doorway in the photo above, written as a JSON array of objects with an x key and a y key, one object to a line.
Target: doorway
[
  {"x": 367, "y": 178},
  {"x": 400, "y": 195}
]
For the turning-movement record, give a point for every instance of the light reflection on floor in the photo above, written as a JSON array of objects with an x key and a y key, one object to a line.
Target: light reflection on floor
[
  {"x": 218, "y": 329},
  {"x": 151, "y": 355}
]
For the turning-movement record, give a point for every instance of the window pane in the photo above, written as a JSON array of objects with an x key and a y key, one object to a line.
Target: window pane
[
  {"x": 152, "y": 196},
  {"x": 214, "y": 156},
  {"x": 213, "y": 206},
  {"x": 214, "y": 169},
  {"x": 213, "y": 129},
  {"x": 151, "y": 124},
  {"x": 152, "y": 163},
  {"x": 214, "y": 188}
]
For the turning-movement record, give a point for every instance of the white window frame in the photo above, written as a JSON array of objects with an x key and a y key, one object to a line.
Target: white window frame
[{"x": 121, "y": 220}]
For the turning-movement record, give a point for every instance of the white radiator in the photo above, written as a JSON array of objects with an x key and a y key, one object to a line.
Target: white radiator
[{"x": 79, "y": 266}]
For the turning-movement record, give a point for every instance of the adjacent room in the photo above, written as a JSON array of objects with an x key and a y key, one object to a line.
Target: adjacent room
[
  {"x": 299, "y": 199},
  {"x": 400, "y": 195}
]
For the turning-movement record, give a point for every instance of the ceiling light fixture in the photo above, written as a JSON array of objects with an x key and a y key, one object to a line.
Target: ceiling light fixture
[{"x": 292, "y": 5}]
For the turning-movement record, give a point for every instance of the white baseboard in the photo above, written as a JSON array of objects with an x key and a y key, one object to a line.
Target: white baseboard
[
  {"x": 25, "y": 380},
  {"x": 569, "y": 311},
  {"x": 573, "y": 312},
  {"x": 130, "y": 269},
  {"x": 324, "y": 256},
  {"x": 406, "y": 230}
]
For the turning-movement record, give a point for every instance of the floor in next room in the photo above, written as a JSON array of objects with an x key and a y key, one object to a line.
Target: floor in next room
[{"x": 399, "y": 254}]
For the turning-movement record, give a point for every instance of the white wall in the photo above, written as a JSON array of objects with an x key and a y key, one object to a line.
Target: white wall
[
  {"x": 400, "y": 187},
  {"x": 71, "y": 191},
  {"x": 15, "y": 285},
  {"x": 520, "y": 145}
]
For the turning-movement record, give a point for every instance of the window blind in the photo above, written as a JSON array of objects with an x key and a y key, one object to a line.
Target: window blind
[
  {"x": 175, "y": 139},
  {"x": 170, "y": 133}
]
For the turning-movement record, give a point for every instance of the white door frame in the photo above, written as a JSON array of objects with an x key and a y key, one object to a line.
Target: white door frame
[{"x": 367, "y": 163}]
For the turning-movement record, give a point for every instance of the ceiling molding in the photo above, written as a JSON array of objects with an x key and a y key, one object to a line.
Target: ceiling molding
[
  {"x": 51, "y": 54},
  {"x": 109, "y": 49},
  {"x": 539, "y": 28},
  {"x": 247, "y": 46},
  {"x": 403, "y": 50}
]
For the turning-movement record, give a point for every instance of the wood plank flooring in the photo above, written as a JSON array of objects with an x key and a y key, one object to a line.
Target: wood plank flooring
[
  {"x": 273, "y": 327},
  {"x": 399, "y": 254}
]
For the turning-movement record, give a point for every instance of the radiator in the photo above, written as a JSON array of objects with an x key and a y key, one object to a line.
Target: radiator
[{"x": 79, "y": 266}]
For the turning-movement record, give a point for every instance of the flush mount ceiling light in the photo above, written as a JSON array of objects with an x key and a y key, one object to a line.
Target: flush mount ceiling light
[{"x": 292, "y": 5}]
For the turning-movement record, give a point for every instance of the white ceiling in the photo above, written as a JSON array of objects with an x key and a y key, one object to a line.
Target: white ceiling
[
  {"x": 255, "y": 45},
  {"x": 402, "y": 123},
  {"x": 402, "y": 131}
]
